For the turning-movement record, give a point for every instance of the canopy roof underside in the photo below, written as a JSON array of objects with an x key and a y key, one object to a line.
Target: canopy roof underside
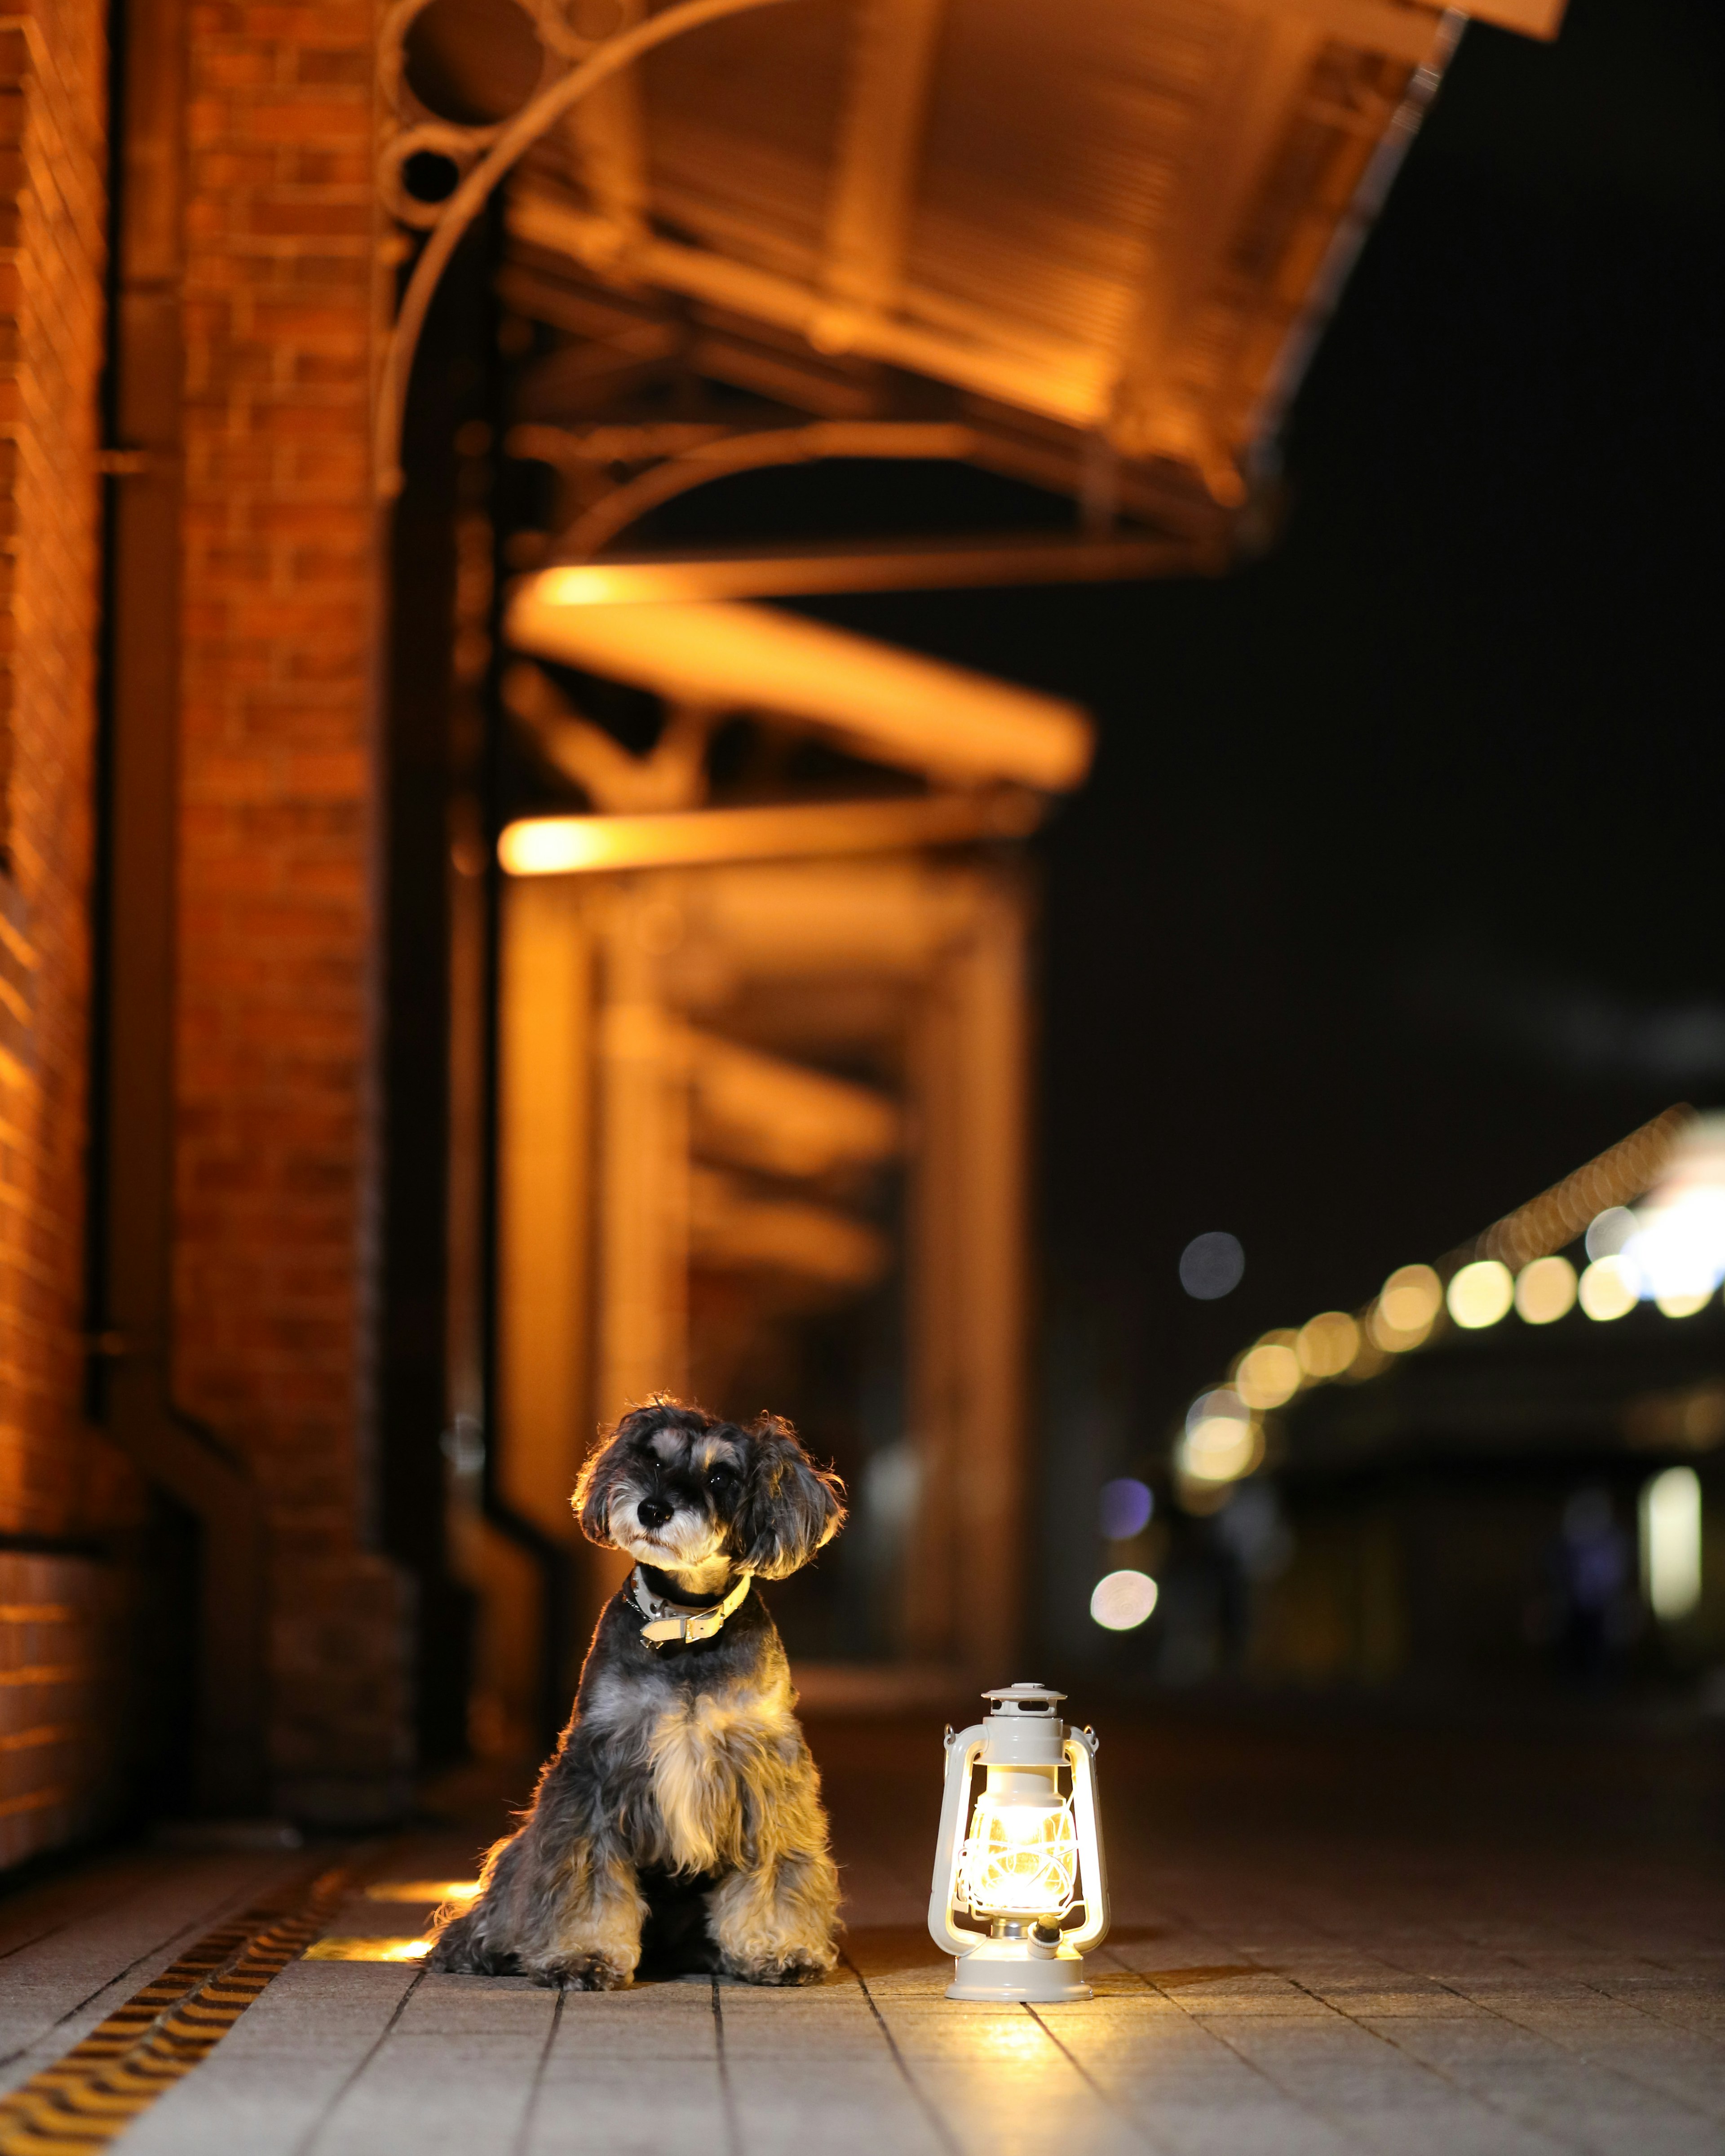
[{"x": 1073, "y": 226}]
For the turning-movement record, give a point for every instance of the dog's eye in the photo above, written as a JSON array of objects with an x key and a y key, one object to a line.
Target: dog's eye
[{"x": 721, "y": 1480}]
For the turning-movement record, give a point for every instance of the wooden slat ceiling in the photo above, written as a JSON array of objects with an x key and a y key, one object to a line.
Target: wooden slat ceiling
[{"x": 1073, "y": 227}]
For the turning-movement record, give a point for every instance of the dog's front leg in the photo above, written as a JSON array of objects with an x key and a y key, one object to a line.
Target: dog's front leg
[
  {"x": 774, "y": 1920},
  {"x": 589, "y": 1938},
  {"x": 775, "y": 1923},
  {"x": 563, "y": 1910}
]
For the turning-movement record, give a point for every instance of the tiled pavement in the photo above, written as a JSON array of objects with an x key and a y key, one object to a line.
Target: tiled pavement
[{"x": 1327, "y": 1938}]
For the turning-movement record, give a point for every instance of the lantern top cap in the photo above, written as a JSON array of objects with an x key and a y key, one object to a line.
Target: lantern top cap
[{"x": 1023, "y": 1699}]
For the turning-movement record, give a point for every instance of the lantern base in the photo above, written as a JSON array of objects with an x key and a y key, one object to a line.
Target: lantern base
[{"x": 1006, "y": 1972}]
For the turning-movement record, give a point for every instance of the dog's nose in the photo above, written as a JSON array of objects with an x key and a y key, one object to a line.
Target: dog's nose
[{"x": 654, "y": 1511}]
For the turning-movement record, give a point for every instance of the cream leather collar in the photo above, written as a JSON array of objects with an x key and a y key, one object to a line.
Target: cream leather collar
[{"x": 669, "y": 1623}]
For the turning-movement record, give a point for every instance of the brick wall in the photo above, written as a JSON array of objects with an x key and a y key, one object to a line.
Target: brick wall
[
  {"x": 60, "y": 1651},
  {"x": 52, "y": 67},
  {"x": 272, "y": 1255},
  {"x": 58, "y": 1478}
]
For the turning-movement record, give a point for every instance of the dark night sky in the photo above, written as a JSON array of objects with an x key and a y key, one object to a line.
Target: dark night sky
[{"x": 1396, "y": 893}]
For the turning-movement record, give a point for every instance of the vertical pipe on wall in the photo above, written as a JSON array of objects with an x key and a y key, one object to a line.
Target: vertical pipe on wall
[{"x": 134, "y": 1293}]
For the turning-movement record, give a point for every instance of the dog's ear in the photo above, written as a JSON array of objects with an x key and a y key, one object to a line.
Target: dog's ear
[
  {"x": 607, "y": 1465},
  {"x": 790, "y": 1506}
]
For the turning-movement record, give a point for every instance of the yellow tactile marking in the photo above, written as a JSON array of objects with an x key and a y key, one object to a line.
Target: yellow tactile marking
[{"x": 90, "y": 2096}]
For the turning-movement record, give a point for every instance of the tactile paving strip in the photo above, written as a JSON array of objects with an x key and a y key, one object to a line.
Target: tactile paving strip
[{"x": 90, "y": 2096}]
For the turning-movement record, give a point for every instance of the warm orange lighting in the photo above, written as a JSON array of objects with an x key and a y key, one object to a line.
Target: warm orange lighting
[
  {"x": 1222, "y": 1442},
  {"x": 584, "y": 845},
  {"x": 355, "y": 1949},
  {"x": 732, "y": 1226},
  {"x": 1020, "y": 1857},
  {"x": 1609, "y": 1288},
  {"x": 765, "y": 1112},
  {"x": 1410, "y": 1300},
  {"x": 1406, "y": 1309},
  {"x": 1545, "y": 1290},
  {"x": 1480, "y": 1294},
  {"x": 423, "y": 1889},
  {"x": 892, "y": 706},
  {"x": 1328, "y": 1344},
  {"x": 1269, "y": 1375}
]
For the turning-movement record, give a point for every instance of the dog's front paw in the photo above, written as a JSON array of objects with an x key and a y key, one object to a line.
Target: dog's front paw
[
  {"x": 798, "y": 1967},
  {"x": 459, "y": 1951},
  {"x": 590, "y": 1971},
  {"x": 462, "y": 1958}
]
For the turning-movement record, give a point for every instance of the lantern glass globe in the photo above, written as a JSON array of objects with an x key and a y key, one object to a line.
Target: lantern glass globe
[{"x": 1020, "y": 1859}]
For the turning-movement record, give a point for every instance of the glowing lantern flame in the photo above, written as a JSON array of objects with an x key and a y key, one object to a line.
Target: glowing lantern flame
[{"x": 1020, "y": 1859}]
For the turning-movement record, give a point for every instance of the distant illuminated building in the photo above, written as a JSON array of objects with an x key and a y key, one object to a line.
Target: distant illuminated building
[{"x": 1426, "y": 1454}]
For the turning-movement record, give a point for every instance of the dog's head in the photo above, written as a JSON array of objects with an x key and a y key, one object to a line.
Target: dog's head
[{"x": 676, "y": 1488}]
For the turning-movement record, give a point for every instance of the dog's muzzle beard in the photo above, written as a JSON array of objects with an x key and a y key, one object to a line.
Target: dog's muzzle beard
[{"x": 678, "y": 1540}]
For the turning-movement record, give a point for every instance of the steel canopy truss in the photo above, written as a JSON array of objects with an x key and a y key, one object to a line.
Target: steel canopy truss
[{"x": 1082, "y": 243}]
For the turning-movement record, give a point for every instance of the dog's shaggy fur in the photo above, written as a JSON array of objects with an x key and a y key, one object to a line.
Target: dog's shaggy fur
[{"x": 681, "y": 1809}]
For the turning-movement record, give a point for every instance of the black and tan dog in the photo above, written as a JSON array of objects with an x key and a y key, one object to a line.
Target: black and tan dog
[{"x": 681, "y": 1803}]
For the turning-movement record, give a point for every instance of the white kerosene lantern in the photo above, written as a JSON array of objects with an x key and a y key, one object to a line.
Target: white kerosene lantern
[{"x": 1033, "y": 1853}]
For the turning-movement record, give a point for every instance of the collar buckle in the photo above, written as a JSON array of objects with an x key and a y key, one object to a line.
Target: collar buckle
[{"x": 668, "y": 1626}]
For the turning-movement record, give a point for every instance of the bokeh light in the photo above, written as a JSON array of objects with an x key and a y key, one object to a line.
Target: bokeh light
[
  {"x": 1545, "y": 1290},
  {"x": 1222, "y": 1442},
  {"x": 1480, "y": 1294},
  {"x": 1610, "y": 1231},
  {"x": 1410, "y": 1299},
  {"x": 1124, "y": 1509},
  {"x": 1684, "y": 1302},
  {"x": 1610, "y": 1287},
  {"x": 1211, "y": 1266},
  {"x": 1269, "y": 1375},
  {"x": 1121, "y": 1600},
  {"x": 1679, "y": 1242},
  {"x": 1328, "y": 1344},
  {"x": 1671, "y": 1543},
  {"x": 1224, "y": 1403}
]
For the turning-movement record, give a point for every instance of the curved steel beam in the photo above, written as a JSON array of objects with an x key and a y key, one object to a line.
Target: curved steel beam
[
  {"x": 511, "y": 144},
  {"x": 930, "y": 441}
]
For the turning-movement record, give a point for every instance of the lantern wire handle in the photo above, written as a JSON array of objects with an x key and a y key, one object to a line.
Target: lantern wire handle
[
  {"x": 963, "y": 1751},
  {"x": 1081, "y": 1752}
]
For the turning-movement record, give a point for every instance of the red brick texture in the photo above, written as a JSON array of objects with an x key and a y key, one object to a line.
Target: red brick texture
[
  {"x": 52, "y": 80},
  {"x": 277, "y": 778},
  {"x": 58, "y": 1479}
]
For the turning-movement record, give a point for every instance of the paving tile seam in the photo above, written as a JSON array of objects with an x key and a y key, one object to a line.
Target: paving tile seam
[
  {"x": 1478, "y": 2097},
  {"x": 1541, "y": 2035},
  {"x": 314, "y": 2133},
  {"x": 1134, "y": 2124},
  {"x": 1486, "y": 2102},
  {"x": 727, "y": 2097},
  {"x": 1289, "y": 2096},
  {"x": 1483, "y": 2006},
  {"x": 524, "y": 2136},
  {"x": 161, "y": 1946},
  {"x": 95, "y": 2092},
  {"x": 140, "y": 1886},
  {"x": 1501, "y": 1951},
  {"x": 1646, "y": 2012},
  {"x": 943, "y": 2133}
]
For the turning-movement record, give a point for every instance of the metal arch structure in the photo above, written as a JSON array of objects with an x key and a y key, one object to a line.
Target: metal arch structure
[
  {"x": 489, "y": 155},
  {"x": 1087, "y": 247},
  {"x": 876, "y": 158}
]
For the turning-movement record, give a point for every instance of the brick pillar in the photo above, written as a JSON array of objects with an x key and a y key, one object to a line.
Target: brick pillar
[{"x": 277, "y": 785}]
